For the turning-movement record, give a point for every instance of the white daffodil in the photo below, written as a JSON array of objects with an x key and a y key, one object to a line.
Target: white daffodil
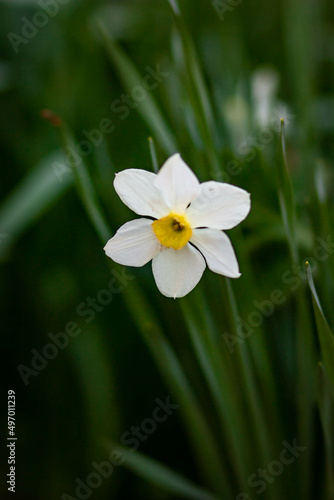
[{"x": 187, "y": 231}]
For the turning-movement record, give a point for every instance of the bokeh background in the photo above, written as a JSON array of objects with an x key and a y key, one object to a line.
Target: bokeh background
[{"x": 261, "y": 60}]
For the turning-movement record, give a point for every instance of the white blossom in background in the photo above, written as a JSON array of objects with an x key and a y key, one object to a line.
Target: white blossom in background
[
  {"x": 264, "y": 87},
  {"x": 237, "y": 116},
  {"x": 182, "y": 230}
]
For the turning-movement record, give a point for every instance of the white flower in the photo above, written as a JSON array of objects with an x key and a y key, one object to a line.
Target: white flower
[{"x": 187, "y": 231}]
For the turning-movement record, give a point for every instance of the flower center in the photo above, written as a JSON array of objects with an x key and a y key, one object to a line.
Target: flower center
[{"x": 172, "y": 231}]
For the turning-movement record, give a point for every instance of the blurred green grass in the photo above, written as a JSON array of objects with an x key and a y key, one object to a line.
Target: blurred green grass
[{"x": 105, "y": 382}]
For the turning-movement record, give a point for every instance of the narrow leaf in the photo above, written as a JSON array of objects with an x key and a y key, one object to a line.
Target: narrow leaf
[
  {"x": 85, "y": 186},
  {"x": 153, "y": 155},
  {"x": 90, "y": 359},
  {"x": 201, "y": 436},
  {"x": 285, "y": 193},
  {"x": 193, "y": 67},
  {"x": 160, "y": 475},
  {"x": 196, "y": 87},
  {"x": 148, "y": 108},
  {"x": 37, "y": 193},
  {"x": 326, "y": 410},
  {"x": 325, "y": 335}
]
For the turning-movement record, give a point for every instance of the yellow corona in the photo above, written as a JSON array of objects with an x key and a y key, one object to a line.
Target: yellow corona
[{"x": 172, "y": 231}]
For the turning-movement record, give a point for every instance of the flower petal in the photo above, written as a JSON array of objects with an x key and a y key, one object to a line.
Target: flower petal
[
  {"x": 217, "y": 250},
  {"x": 134, "y": 244},
  {"x": 136, "y": 189},
  {"x": 219, "y": 206},
  {"x": 177, "y": 272},
  {"x": 178, "y": 183}
]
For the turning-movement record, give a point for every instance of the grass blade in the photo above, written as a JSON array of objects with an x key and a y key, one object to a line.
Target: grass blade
[
  {"x": 326, "y": 409},
  {"x": 285, "y": 194},
  {"x": 217, "y": 373},
  {"x": 325, "y": 334},
  {"x": 148, "y": 108},
  {"x": 84, "y": 186},
  {"x": 161, "y": 476},
  {"x": 93, "y": 369},
  {"x": 245, "y": 367},
  {"x": 196, "y": 88},
  {"x": 305, "y": 341},
  {"x": 37, "y": 193},
  {"x": 153, "y": 152},
  {"x": 200, "y": 434}
]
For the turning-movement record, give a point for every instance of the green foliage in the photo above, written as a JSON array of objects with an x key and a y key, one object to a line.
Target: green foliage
[
  {"x": 243, "y": 92},
  {"x": 326, "y": 338}
]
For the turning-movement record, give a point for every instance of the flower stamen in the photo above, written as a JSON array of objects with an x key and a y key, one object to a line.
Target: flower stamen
[{"x": 173, "y": 230}]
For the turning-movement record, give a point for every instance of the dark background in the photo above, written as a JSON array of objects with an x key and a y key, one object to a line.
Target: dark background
[{"x": 104, "y": 381}]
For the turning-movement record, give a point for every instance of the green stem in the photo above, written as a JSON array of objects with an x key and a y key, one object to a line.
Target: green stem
[
  {"x": 85, "y": 187},
  {"x": 224, "y": 390},
  {"x": 153, "y": 155},
  {"x": 251, "y": 392},
  {"x": 200, "y": 434}
]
